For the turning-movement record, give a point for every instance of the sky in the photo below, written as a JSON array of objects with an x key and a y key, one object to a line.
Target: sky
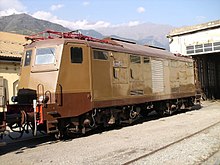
[{"x": 93, "y": 14}]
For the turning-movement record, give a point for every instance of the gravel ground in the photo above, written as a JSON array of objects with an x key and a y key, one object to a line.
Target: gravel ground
[
  {"x": 121, "y": 145},
  {"x": 194, "y": 150}
]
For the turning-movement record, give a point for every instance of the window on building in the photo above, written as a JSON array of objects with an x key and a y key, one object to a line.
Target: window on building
[
  {"x": 216, "y": 45},
  {"x": 198, "y": 48},
  {"x": 76, "y": 55},
  {"x": 190, "y": 49},
  {"x": 208, "y": 47}
]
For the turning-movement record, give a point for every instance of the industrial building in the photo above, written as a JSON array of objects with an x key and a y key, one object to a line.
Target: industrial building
[
  {"x": 11, "y": 50},
  {"x": 202, "y": 43}
]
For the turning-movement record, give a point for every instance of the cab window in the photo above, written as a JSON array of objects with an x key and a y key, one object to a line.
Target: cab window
[
  {"x": 45, "y": 56},
  {"x": 76, "y": 55},
  {"x": 27, "y": 60}
]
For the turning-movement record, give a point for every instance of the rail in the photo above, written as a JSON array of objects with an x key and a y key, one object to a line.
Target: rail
[{"x": 170, "y": 144}]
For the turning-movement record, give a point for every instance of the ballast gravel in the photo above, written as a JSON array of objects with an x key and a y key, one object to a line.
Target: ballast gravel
[{"x": 122, "y": 145}]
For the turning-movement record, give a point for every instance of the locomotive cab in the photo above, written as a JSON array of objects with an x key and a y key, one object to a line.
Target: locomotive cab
[{"x": 40, "y": 64}]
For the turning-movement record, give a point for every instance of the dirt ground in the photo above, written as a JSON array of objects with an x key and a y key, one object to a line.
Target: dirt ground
[{"x": 121, "y": 145}]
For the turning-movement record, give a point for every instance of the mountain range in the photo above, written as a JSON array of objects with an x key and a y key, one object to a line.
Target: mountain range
[{"x": 146, "y": 33}]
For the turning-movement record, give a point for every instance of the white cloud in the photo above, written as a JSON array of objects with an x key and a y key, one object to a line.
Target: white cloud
[
  {"x": 11, "y": 4},
  {"x": 82, "y": 24},
  {"x": 140, "y": 9},
  {"x": 8, "y": 12},
  {"x": 133, "y": 23},
  {"x": 9, "y": 7},
  {"x": 56, "y": 7},
  {"x": 86, "y": 3},
  {"x": 44, "y": 16},
  {"x": 79, "y": 24}
]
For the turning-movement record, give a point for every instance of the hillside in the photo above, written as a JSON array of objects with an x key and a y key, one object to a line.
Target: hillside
[
  {"x": 147, "y": 33},
  {"x": 26, "y": 24}
]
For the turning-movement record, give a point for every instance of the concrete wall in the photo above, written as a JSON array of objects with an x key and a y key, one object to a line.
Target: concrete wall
[{"x": 178, "y": 43}]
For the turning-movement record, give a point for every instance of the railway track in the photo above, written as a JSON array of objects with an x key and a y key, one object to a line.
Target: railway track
[{"x": 170, "y": 144}]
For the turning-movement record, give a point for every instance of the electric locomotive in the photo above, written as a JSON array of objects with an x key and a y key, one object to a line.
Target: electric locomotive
[{"x": 72, "y": 83}]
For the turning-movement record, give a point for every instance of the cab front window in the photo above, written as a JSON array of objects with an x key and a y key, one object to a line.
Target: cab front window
[{"x": 45, "y": 56}]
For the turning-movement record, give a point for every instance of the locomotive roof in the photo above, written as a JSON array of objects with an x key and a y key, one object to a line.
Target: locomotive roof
[
  {"x": 112, "y": 45},
  {"x": 133, "y": 48}
]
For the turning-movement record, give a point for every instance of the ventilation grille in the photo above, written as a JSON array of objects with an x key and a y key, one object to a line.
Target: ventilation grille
[{"x": 157, "y": 76}]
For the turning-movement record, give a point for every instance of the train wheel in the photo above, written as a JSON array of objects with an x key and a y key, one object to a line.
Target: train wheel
[
  {"x": 58, "y": 135},
  {"x": 17, "y": 131},
  {"x": 144, "y": 111},
  {"x": 161, "y": 109}
]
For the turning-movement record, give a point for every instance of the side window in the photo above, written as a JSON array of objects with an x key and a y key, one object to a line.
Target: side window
[
  {"x": 146, "y": 60},
  {"x": 135, "y": 59},
  {"x": 76, "y": 55},
  {"x": 27, "y": 60},
  {"x": 100, "y": 55}
]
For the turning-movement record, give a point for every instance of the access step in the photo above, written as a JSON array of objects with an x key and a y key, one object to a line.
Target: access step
[
  {"x": 52, "y": 131},
  {"x": 52, "y": 122},
  {"x": 52, "y": 113}
]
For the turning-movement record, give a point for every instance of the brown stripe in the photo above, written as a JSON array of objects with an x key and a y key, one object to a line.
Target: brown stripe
[{"x": 138, "y": 100}]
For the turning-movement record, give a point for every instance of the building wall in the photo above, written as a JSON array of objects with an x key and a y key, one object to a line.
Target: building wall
[
  {"x": 203, "y": 44},
  {"x": 11, "y": 50},
  {"x": 9, "y": 79},
  {"x": 178, "y": 43}
]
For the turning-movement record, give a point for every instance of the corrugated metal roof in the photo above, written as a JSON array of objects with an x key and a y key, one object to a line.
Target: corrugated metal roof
[
  {"x": 195, "y": 28},
  {"x": 11, "y": 45}
]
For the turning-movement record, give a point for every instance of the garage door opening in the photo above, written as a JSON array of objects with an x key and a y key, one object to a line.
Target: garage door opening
[{"x": 208, "y": 70}]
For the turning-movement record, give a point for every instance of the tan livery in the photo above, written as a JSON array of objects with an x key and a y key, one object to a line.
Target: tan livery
[{"x": 80, "y": 83}]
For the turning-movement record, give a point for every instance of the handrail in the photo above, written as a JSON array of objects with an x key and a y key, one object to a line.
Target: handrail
[
  {"x": 49, "y": 95},
  {"x": 60, "y": 103},
  {"x": 38, "y": 90}
]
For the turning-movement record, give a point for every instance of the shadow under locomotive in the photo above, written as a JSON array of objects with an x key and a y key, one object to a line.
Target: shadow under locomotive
[{"x": 23, "y": 144}]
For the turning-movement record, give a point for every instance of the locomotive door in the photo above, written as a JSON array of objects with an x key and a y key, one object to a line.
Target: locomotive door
[
  {"x": 120, "y": 78},
  {"x": 174, "y": 76},
  {"x": 74, "y": 80},
  {"x": 136, "y": 76},
  {"x": 101, "y": 81}
]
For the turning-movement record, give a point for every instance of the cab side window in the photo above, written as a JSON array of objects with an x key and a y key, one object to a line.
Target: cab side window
[
  {"x": 135, "y": 59},
  {"x": 76, "y": 55},
  {"x": 27, "y": 60}
]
